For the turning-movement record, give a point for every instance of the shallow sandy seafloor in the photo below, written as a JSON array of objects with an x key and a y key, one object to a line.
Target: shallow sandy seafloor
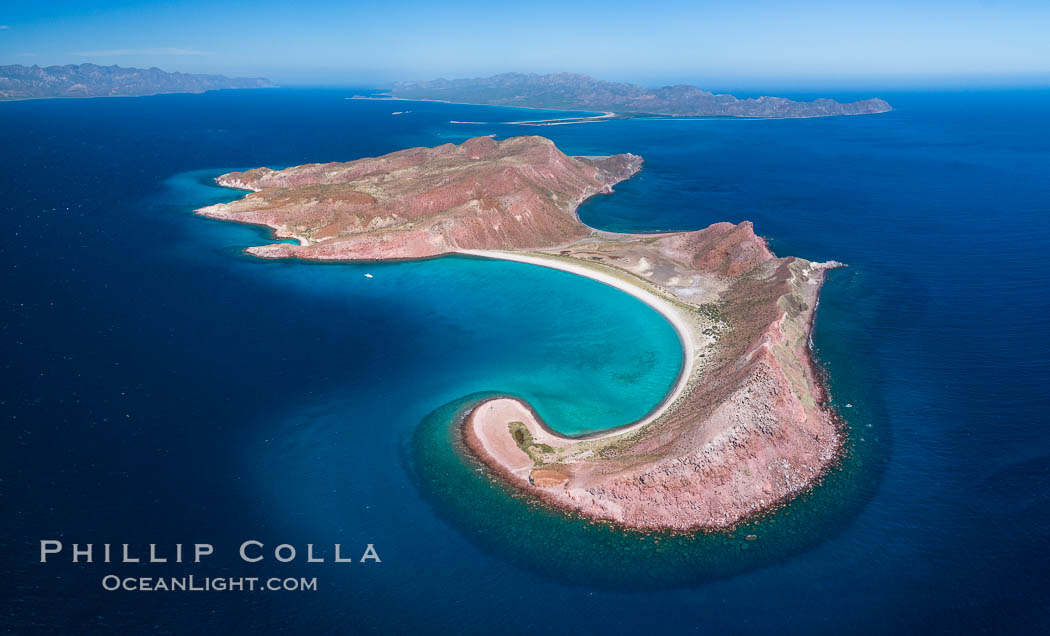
[
  {"x": 724, "y": 450},
  {"x": 517, "y": 527},
  {"x": 515, "y": 524},
  {"x": 493, "y": 509}
]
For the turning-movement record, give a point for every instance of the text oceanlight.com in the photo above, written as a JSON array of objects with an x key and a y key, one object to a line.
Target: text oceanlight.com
[{"x": 192, "y": 583}]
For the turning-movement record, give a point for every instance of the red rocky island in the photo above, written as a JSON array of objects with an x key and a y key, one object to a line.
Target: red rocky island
[{"x": 746, "y": 425}]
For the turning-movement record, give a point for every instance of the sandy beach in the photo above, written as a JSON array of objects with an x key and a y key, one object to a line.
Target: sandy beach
[
  {"x": 682, "y": 326},
  {"x": 714, "y": 467}
]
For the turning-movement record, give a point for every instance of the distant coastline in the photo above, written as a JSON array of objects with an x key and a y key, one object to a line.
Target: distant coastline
[
  {"x": 604, "y": 116},
  {"x": 72, "y": 81},
  {"x": 572, "y": 91},
  {"x": 538, "y": 122}
]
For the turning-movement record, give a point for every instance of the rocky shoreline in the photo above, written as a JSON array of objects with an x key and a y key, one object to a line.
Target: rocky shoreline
[
  {"x": 470, "y": 445},
  {"x": 512, "y": 440},
  {"x": 746, "y": 426}
]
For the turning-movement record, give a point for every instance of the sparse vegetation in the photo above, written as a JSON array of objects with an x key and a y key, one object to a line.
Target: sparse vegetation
[{"x": 523, "y": 438}]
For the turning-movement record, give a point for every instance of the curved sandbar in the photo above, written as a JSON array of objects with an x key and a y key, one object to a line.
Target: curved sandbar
[
  {"x": 672, "y": 314},
  {"x": 746, "y": 425},
  {"x": 508, "y": 435}
]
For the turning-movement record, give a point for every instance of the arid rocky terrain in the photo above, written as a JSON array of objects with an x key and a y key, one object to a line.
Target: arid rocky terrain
[{"x": 745, "y": 427}]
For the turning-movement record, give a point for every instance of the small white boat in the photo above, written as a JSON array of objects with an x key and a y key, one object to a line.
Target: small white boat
[{"x": 368, "y": 276}]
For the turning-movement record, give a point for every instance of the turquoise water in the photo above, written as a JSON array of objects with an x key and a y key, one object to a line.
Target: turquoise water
[
  {"x": 162, "y": 387},
  {"x": 586, "y": 356},
  {"x": 501, "y": 520}
]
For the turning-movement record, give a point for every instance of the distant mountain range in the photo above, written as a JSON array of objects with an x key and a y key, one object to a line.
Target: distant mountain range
[
  {"x": 91, "y": 80},
  {"x": 572, "y": 91}
]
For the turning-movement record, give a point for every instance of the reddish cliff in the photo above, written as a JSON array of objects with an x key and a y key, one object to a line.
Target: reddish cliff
[
  {"x": 482, "y": 194},
  {"x": 722, "y": 248}
]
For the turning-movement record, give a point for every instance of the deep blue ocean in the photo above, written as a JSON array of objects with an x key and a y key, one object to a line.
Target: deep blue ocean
[{"x": 161, "y": 387}]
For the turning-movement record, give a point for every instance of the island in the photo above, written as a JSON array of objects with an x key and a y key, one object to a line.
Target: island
[
  {"x": 91, "y": 80},
  {"x": 572, "y": 91},
  {"x": 747, "y": 425}
]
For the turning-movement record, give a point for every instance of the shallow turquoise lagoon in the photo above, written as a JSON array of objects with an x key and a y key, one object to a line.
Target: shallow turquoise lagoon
[{"x": 585, "y": 355}]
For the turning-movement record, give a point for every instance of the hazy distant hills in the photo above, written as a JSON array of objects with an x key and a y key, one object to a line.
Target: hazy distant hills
[
  {"x": 571, "y": 91},
  {"x": 91, "y": 80}
]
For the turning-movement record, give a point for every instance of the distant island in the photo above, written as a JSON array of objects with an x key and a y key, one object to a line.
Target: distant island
[
  {"x": 91, "y": 80},
  {"x": 571, "y": 91},
  {"x": 746, "y": 425}
]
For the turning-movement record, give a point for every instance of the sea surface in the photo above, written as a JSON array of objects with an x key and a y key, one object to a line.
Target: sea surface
[{"x": 159, "y": 386}]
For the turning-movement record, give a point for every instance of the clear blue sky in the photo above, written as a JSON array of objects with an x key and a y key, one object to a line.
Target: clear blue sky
[{"x": 730, "y": 42}]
